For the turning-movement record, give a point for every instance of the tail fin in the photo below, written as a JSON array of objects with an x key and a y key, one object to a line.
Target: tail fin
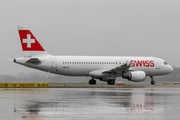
[{"x": 29, "y": 43}]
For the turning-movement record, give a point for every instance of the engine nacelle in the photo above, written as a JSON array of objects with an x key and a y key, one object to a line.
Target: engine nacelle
[{"x": 135, "y": 76}]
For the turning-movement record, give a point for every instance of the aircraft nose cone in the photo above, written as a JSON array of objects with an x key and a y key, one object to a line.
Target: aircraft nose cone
[{"x": 170, "y": 69}]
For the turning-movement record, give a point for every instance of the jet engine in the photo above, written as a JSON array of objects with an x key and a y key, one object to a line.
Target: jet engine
[{"x": 135, "y": 76}]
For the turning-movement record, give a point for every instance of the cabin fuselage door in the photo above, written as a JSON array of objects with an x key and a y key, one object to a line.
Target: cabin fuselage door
[
  {"x": 157, "y": 64},
  {"x": 53, "y": 63}
]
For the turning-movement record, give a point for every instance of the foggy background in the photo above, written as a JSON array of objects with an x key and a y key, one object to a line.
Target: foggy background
[{"x": 89, "y": 27}]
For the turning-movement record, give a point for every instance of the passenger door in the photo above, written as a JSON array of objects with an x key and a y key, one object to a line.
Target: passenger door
[{"x": 157, "y": 64}]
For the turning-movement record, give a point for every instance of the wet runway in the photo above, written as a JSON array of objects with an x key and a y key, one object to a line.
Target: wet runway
[{"x": 90, "y": 103}]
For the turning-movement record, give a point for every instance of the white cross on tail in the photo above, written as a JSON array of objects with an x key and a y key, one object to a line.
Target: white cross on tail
[{"x": 28, "y": 40}]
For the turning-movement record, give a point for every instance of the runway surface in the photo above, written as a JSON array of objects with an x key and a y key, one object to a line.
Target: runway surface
[
  {"x": 90, "y": 103},
  {"x": 104, "y": 85}
]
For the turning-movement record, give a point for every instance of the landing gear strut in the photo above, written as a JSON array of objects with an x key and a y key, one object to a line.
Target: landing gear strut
[
  {"x": 152, "y": 80},
  {"x": 111, "y": 82},
  {"x": 92, "y": 81}
]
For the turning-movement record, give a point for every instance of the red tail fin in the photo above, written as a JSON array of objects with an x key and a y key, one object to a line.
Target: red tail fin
[
  {"x": 28, "y": 41},
  {"x": 30, "y": 45}
]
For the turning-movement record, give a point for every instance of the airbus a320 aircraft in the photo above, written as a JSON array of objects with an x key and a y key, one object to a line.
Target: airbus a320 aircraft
[{"x": 105, "y": 69}]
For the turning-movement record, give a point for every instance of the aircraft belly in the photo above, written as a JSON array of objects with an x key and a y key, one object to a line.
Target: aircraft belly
[
  {"x": 82, "y": 70},
  {"x": 148, "y": 71},
  {"x": 79, "y": 71}
]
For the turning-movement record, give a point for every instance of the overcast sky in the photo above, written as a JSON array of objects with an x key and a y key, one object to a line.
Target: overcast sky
[{"x": 92, "y": 27}]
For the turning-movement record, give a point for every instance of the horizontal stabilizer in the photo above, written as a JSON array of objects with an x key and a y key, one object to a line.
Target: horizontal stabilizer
[{"x": 34, "y": 61}]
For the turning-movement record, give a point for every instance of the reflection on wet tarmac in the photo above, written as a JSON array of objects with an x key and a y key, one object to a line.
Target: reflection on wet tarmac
[{"x": 94, "y": 103}]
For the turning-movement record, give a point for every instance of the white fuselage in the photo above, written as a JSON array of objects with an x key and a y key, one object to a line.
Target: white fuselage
[{"x": 82, "y": 65}]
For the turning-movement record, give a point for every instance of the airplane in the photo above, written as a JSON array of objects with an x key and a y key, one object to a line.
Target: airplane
[{"x": 104, "y": 68}]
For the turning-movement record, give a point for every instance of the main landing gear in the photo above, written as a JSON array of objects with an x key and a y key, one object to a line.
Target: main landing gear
[
  {"x": 152, "y": 80},
  {"x": 111, "y": 82},
  {"x": 92, "y": 81}
]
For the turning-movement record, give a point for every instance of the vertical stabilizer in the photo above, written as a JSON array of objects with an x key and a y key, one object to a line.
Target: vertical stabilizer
[{"x": 29, "y": 43}]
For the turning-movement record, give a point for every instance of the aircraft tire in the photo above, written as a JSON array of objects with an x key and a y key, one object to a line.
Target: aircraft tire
[
  {"x": 92, "y": 82},
  {"x": 111, "y": 82},
  {"x": 153, "y": 82}
]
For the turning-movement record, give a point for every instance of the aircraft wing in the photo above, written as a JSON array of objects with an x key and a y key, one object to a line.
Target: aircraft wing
[{"x": 120, "y": 69}]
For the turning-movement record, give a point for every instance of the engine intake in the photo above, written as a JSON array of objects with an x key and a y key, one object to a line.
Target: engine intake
[{"x": 135, "y": 76}]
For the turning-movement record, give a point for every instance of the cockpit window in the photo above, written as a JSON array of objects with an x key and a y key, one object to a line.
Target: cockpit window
[{"x": 165, "y": 63}]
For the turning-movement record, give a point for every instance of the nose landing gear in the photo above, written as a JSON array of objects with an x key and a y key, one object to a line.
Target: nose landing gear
[{"x": 152, "y": 80}]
